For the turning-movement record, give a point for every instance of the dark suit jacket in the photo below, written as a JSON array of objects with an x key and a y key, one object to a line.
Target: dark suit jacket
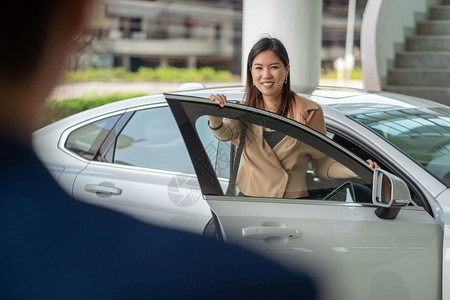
[{"x": 55, "y": 247}]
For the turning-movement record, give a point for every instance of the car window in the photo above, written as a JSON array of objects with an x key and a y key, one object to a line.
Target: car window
[
  {"x": 86, "y": 140},
  {"x": 352, "y": 188},
  {"x": 218, "y": 152},
  {"x": 151, "y": 139},
  {"x": 363, "y": 154},
  {"x": 423, "y": 133}
]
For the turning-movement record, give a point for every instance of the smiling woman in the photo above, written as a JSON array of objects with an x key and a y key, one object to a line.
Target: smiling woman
[
  {"x": 268, "y": 87},
  {"x": 268, "y": 77}
]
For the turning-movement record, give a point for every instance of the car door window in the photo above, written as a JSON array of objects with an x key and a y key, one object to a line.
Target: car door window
[
  {"x": 86, "y": 140},
  {"x": 353, "y": 183},
  {"x": 218, "y": 152},
  {"x": 320, "y": 184},
  {"x": 151, "y": 139}
]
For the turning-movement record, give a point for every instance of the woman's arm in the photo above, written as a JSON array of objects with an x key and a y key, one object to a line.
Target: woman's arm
[
  {"x": 222, "y": 128},
  {"x": 326, "y": 166}
]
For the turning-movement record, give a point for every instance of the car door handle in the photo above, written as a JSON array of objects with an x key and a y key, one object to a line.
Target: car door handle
[
  {"x": 265, "y": 232},
  {"x": 102, "y": 189}
]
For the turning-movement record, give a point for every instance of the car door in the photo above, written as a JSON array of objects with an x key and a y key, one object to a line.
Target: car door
[
  {"x": 143, "y": 169},
  {"x": 334, "y": 232}
]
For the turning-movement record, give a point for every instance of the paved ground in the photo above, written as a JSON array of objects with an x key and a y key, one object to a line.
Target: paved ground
[{"x": 83, "y": 89}]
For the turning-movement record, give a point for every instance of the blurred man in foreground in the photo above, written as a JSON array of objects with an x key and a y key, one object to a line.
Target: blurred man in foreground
[{"x": 56, "y": 247}]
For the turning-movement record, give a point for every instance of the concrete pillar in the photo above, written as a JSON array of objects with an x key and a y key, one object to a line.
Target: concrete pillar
[
  {"x": 163, "y": 62},
  {"x": 296, "y": 23},
  {"x": 144, "y": 28},
  {"x": 191, "y": 62},
  {"x": 126, "y": 62}
]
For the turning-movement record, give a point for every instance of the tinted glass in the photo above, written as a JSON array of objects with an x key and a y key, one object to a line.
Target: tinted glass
[
  {"x": 422, "y": 133},
  {"x": 218, "y": 152},
  {"x": 151, "y": 139},
  {"x": 310, "y": 185},
  {"x": 86, "y": 140}
]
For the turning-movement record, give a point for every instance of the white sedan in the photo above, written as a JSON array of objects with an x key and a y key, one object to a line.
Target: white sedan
[{"x": 159, "y": 164}]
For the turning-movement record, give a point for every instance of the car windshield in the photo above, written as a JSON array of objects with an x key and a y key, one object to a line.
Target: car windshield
[{"x": 423, "y": 133}]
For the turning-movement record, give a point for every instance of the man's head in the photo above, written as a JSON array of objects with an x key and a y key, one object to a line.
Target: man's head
[
  {"x": 35, "y": 38},
  {"x": 25, "y": 30}
]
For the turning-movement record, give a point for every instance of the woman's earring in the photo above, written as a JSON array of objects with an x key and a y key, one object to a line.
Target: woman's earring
[{"x": 285, "y": 82}]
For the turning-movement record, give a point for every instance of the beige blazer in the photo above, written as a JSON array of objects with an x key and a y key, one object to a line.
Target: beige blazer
[{"x": 281, "y": 171}]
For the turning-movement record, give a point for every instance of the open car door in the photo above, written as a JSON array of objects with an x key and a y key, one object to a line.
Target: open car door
[{"x": 336, "y": 231}]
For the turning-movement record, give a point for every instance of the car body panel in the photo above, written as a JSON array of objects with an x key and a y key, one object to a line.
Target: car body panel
[
  {"x": 354, "y": 252},
  {"x": 167, "y": 199},
  {"x": 444, "y": 199}
]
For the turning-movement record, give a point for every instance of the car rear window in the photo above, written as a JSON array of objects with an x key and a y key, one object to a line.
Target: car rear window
[{"x": 86, "y": 140}]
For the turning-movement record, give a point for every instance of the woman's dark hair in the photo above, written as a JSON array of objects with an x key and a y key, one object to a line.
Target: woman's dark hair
[{"x": 253, "y": 96}]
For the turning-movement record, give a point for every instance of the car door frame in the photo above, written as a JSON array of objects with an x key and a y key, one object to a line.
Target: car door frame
[
  {"x": 208, "y": 180},
  {"x": 204, "y": 169}
]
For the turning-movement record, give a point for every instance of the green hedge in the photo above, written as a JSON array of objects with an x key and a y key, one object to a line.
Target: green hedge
[
  {"x": 169, "y": 74},
  {"x": 54, "y": 110},
  {"x": 356, "y": 74}
]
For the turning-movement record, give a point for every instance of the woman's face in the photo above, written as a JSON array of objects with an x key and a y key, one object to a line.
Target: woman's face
[{"x": 269, "y": 73}]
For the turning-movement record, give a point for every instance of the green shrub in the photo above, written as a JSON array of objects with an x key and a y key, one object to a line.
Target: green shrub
[
  {"x": 166, "y": 74},
  {"x": 100, "y": 74},
  {"x": 55, "y": 110}
]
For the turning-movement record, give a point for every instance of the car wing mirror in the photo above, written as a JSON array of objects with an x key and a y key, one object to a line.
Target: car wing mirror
[{"x": 389, "y": 193}]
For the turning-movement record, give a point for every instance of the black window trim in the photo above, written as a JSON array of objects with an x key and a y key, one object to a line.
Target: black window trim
[{"x": 106, "y": 148}]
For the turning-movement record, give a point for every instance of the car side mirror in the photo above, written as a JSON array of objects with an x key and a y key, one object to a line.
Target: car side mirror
[{"x": 389, "y": 193}]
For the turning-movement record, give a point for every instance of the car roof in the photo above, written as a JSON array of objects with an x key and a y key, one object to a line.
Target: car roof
[{"x": 345, "y": 100}]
